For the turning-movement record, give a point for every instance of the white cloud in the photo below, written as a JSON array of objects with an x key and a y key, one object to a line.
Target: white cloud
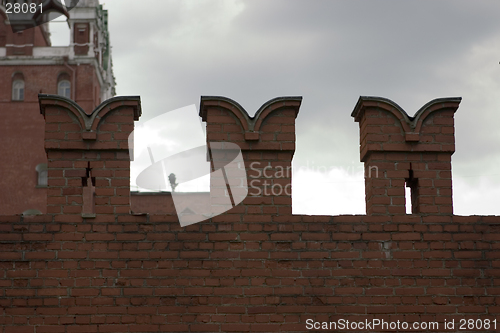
[
  {"x": 318, "y": 190},
  {"x": 165, "y": 135},
  {"x": 478, "y": 198}
]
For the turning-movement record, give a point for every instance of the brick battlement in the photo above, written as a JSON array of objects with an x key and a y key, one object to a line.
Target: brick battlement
[
  {"x": 88, "y": 156},
  {"x": 91, "y": 266},
  {"x": 412, "y": 151},
  {"x": 267, "y": 142}
]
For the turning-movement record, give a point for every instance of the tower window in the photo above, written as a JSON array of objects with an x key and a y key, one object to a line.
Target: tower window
[
  {"x": 64, "y": 88},
  {"x": 18, "y": 90},
  {"x": 43, "y": 175}
]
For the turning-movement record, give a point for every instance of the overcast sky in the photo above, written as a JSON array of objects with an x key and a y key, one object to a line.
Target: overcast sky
[{"x": 171, "y": 52}]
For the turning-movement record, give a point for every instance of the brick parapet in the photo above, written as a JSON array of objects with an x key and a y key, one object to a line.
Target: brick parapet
[{"x": 257, "y": 268}]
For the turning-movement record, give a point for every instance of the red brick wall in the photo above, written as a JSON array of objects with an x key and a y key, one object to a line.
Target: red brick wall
[
  {"x": 33, "y": 36},
  {"x": 40, "y": 39},
  {"x": 4, "y": 29},
  {"x": 256, "y": 268},
  {"x": 162, "y": 202},
  {"x": 140, "y": 274}
]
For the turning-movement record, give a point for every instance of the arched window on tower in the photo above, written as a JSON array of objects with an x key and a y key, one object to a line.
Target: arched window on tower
[
  {"x": 64, "y": 85},
  {"x": 64, "y": 88},
  {"x": 18, "y": 87}
]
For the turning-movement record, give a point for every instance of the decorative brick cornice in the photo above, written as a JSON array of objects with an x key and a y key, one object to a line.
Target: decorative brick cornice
[
  {"x": 90, "y": 122},
  {"x": 411, "y": 125},
  {"x": 250, "y": 125}
]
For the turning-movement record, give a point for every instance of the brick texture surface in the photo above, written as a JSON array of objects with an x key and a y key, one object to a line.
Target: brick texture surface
[{"x": 146, "y": 274}]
